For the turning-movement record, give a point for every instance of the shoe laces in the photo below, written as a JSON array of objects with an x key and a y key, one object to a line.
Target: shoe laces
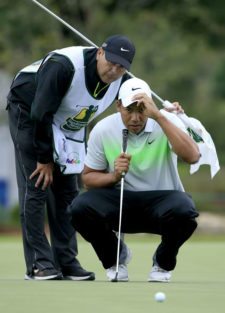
[{"x": 157, "y": 268}]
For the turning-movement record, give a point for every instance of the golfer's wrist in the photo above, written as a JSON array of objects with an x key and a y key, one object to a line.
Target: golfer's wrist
[
  {"x": 159, "y": 117},
  {"x": 115, "y": 178}
]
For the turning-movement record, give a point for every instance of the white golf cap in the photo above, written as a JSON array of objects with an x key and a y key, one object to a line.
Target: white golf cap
[{"x": 132, "y": 87}]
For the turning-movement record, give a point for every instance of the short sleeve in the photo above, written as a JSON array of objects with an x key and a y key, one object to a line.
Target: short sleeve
[{"x": 95, "y": 157}]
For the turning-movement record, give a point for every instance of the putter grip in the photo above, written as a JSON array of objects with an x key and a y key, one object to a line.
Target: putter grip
[
  {"x": 125, "y": 138},
  {"x": 124, "y": 144},
  {"x": 168, "y": 105}
]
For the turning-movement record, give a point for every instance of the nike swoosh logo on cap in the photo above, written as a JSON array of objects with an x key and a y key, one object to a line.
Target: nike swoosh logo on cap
[
  {"x": 150, "y": 142},
  {"x": 122, "y": 49},
  {"x": 135, "y": 89}
]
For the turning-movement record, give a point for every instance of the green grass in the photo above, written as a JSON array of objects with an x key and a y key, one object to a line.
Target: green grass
[{"x": 198, "y": 283}]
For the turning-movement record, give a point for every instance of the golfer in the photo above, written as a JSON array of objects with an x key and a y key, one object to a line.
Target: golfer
[
  {"x": 154, "y": 199},
  {"x": 50, "y": 103}
]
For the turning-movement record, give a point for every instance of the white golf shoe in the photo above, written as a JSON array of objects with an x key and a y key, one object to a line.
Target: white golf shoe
[
  {"x": 158, "y": 274},
  {"x": 122, "y": 273},
  {"x": 128, "y": 256},
  {"x": 124, "y": 259}
]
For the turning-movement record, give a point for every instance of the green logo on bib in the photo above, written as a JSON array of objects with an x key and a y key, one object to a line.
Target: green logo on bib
[{"x": 80, "y": 120}]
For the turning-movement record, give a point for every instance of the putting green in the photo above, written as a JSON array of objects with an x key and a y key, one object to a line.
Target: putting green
[{"x": 198, "y": 283}]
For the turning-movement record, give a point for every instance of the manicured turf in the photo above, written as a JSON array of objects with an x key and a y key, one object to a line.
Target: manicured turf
[{"x": 198, "y": 283}]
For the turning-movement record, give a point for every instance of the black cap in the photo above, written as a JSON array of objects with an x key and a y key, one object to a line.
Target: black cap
[{"x": 119, "y": 50}]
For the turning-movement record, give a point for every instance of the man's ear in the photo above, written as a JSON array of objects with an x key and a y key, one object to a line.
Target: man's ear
[
  {"x": 118, "y": 105},
  {"x": 100, "y": 52}
]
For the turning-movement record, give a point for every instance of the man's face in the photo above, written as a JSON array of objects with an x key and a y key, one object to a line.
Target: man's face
[
  {"x": 107, "y": 71},
  {"x": 133, "y": 116}
]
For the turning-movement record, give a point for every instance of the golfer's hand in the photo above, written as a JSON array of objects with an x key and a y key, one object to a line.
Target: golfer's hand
[
  {"x": 45, "y": 175},
  {"x": 121, "y": 165},
  {"x": 146, "y": 105}
]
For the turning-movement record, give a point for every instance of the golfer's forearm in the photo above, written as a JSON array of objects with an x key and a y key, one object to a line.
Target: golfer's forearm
[
  {"x": 97, "y": 180},
  {"x": 183, "y": 145}
]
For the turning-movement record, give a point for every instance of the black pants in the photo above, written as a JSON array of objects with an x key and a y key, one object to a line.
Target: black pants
[
  {"x": 33, "y": 201},
  {"x": 170, "y": 214}
]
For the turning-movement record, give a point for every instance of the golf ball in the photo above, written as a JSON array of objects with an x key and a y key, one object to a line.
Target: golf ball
[{"x": 160, "y": 296}]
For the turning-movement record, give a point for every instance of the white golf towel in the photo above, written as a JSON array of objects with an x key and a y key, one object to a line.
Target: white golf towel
[
  {"x": 206, "y": 146},
  {"x": 207, "y": 149}
]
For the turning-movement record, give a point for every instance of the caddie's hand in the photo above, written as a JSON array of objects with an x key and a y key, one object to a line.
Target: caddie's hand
[
  {"x": 45, "y": 174},
  {"x": 177, "y": 108},
  {"x": 121, "y": 165}
]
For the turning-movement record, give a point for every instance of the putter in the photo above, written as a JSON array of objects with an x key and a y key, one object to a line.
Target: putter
[{"x": 124, "y": 148}]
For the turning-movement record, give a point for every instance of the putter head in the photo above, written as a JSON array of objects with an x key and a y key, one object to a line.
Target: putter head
[{"x": 115, "y": 280}]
